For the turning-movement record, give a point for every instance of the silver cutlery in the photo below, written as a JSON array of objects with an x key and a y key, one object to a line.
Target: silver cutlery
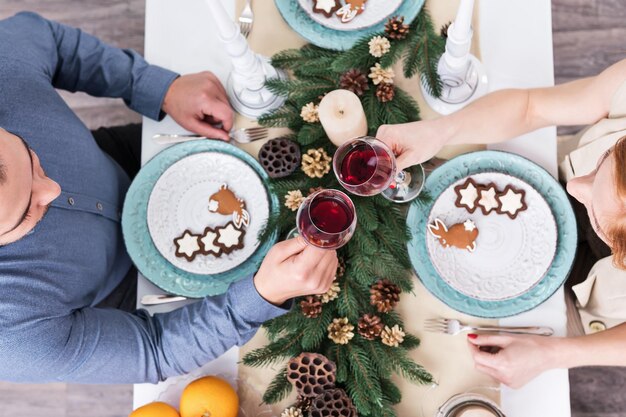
[
  {"x": 244, "y": 135},
  {"x": 154, "y": 299},
  {"x": 453, "y": 327},
  {"x": 246, "y": 19}
]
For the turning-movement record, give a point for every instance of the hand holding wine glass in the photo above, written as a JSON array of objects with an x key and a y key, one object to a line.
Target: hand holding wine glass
[
  {"x": 412, "y": 143},
  {"x": 292, "y": 269}
]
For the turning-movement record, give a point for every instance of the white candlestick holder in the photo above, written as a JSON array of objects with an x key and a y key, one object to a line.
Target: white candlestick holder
[
  {"x": 246, "y": 82},
  {"x": 463, "y": 76}
]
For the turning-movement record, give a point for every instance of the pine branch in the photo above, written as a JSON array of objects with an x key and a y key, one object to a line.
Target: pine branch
[
  {"x": 390, "y": 391},
  {"x": 285, "y": 347},
  {"x": 279, "y": 388},
  {"x": 364, "y": 388},
  {"x": 315, "y": 330},
  {"x": 356, "y": 57},
  {"x": 404, "y": 366}
]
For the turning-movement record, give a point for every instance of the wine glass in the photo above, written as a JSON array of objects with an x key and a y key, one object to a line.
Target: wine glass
[
  {"x": 326, "y": 219},
  {"x": 366, "y": 166}
]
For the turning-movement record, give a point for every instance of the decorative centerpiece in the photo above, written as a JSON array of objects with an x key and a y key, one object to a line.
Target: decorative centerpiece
[{"x": 354, "y": 324}]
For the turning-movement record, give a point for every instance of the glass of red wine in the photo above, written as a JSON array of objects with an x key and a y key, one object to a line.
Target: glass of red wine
[
  {"x": 366, "y": 166},
  {"x": 326, "y": 219}
]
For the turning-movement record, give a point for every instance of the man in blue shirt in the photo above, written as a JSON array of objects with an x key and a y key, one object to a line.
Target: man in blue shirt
[{"x": 62, "y": 250}]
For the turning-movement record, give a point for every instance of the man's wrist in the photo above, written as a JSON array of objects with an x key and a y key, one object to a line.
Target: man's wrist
[{"x": 266, "y": 294}]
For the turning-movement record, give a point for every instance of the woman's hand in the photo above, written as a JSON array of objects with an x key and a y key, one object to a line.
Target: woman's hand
[
  {"x": 198, "y": 102},
  {"x": 412, "y": 143},
  {"x": 292, "y": 269},
  {"x": 519, "y": 359}
]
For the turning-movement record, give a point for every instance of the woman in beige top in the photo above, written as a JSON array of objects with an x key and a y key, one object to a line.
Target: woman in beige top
[{"x": 596, "y": 177}]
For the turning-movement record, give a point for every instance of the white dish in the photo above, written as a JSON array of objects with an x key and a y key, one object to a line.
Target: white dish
[
  {"x": 180, "y": 200},
  {"x": 511, "y": 255},
  {"x": 375, "y": 12}
]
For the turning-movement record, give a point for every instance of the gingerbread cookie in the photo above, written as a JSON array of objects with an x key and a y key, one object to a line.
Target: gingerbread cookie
[
  {"x": 350, "y": 10},
  {"x": 326, "y": 7},
  {"x": 487, "y": 200},
  {"x": 226, "y": 202},
  {"x": 209, "y": 243},
  {"x": 460, "y": 235},
  {"x": 467, "y": 195},
  {"x": 512, "y": 201},
  {"x": 187, "y": 245},
  {"x": 230, "y": 238}
]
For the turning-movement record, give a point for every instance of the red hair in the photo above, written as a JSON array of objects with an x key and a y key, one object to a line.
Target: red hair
[{"x": 616, "y": 232}]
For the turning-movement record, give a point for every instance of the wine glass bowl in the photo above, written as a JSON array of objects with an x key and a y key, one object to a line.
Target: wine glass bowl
[
  {"x": 326, "y": 219},
  {"x": 366, "y": 166}
]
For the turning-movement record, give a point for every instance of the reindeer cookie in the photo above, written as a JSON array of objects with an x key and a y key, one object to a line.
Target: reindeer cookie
[
  {"x": 460, "y": 235},
  {"x": 226, "y": 202},
  {"x": 350, "y": 10}
]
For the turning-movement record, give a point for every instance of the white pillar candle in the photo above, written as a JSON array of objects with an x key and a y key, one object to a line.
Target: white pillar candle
[
  {"x": 342, "y": 116},
  {"x": 463, "y": 20}
]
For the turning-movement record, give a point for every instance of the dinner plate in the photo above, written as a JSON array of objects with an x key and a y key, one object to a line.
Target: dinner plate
[
  {"x": 468, "y": 301},
  {"x": 180, "y": 201},
  {"x": 300, "y": 21},
  {"x": 141, "y": 247},
  {"x": 375, "y": 12},
  {"x": 511, "y": 255}
]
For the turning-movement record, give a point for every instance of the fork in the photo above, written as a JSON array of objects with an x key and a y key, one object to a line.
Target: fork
[
  {"x": 245, "y": 20},
  {"x": 453, "y": 327},
  {"x": 243, "y": 135},
  {"x": 154, "y": 299}
]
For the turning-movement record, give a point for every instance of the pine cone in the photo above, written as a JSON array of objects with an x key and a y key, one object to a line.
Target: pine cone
[
  {"x": 379, "y": 46},
  {"x": 331, "y": 294},
  {"x": 315, "y": 189},
  {"x": 292, "y": 412},
  {"x": 333, "y": 403},
  {"x": 380, "y": 75},
  {"x": 370, "y": 326},
  {"x": 392, "y": 337},
  {"x": 304, "y": 403},
  {"x": 385, "y": 92},
  {"x": 316, "y": 163},
  {"x": 293, "y": 199},
  {"x": 309, "y": 113},
  {"x": 444, "y": 30},
  {"x": 340, "y": 331},
  {"x": 341, "y": 268},
  {"x": 355, "y": 81},
  {"x": 384, "y": 295},
  {"x": 311, "y": 306},
  {"x": 395, "y": 28}
]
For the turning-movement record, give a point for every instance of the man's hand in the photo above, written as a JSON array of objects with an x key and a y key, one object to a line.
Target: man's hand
[
  {"x": 292, "y": 269},
  {"x": 412, "y": 143},
  {"x": 198, "y": 102}
]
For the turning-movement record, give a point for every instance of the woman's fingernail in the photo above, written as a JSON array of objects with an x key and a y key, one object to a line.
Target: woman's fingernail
[{"x": 472, "y": 335}]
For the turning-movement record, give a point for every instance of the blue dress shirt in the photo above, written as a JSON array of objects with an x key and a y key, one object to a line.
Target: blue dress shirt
[{"x": 51, "y": 279}]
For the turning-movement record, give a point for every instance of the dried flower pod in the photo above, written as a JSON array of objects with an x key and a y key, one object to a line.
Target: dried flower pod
[
  {"x": 333, "y": 403},
  {"x": 311, "y": 374},
  {"x": 280, "y": 157}
]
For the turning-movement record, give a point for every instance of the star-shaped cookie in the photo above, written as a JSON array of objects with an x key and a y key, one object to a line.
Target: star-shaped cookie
[
  {"x": 230, "y": 238},
  {"x": 326, "y": 7},
  {"x": 487, "y": 198},
  {"x": 187, "y": 245},
  {"x": 467, "y": 195},
  {"x": 512, "y": 201},
  {"x": 209, "y": 245}
]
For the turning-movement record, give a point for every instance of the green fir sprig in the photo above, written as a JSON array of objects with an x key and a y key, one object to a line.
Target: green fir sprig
[{"x": 378, "y": 248}]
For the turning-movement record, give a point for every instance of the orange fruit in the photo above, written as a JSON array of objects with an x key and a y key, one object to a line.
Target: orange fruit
[
  {"x": 156, "y": 409},
  {"x": 209, "y": 397}
]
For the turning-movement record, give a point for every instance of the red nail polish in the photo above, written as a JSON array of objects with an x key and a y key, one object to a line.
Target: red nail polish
[{"x": 472, "y": 335}]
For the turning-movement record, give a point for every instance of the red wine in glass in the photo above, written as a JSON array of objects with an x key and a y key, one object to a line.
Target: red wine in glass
[
  {"x": 327, "y": 219},
  {"x": 366, "y": 166}
]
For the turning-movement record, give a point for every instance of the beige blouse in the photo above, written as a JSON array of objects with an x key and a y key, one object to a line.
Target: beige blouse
[{"x": 601, "y": 298}]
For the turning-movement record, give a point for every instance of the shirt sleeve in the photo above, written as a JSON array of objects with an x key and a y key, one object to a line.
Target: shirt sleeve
[
  {"x": 77, "y": 61},
  {"x": 93, "y": 345}
]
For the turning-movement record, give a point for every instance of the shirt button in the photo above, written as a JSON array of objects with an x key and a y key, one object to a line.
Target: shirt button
[
  {"x": 71, "y": 201},
  {"x": 99, "y": 206},
  {"x": 597, "y": 326}
]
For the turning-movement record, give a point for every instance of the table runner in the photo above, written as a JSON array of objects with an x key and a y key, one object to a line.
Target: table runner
[{"x": 446, "y": 357}]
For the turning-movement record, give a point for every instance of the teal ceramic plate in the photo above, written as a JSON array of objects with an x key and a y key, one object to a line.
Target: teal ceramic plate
[
  {"x": 324, "y": 37},
  {"x": 492, "y": 161},
  {"x": 140, "y": 246}
]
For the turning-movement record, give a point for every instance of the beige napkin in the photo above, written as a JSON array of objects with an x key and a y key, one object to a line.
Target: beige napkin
[
  {"x": 446, "y": 357},
  {"x": 601, "y": 298}
]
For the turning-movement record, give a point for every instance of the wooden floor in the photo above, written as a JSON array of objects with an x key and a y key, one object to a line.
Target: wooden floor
[{"x": 589, "y": 35}]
